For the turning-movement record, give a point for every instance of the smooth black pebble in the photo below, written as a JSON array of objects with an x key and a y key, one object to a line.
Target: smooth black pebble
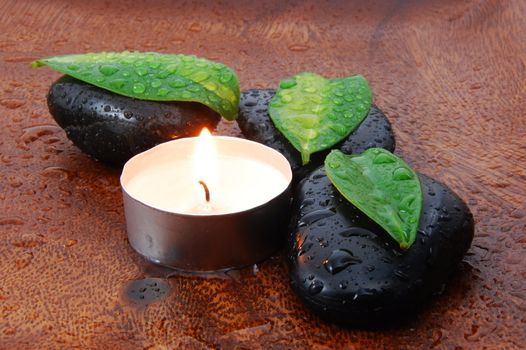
[
  {"x": 113, "y": 128},
  {"x": 347, "y": 269},
  {"x": 256, "y": 125}
]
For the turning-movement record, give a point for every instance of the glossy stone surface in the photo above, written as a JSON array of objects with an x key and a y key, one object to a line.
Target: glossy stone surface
[
  {"x": 347, "y": 269},
  {"x": 112, "y": 128},
  {"x": 255, "y": 124}
]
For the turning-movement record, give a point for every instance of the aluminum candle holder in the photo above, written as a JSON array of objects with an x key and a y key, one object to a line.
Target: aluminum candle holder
[{"x": 241, "y": 232}]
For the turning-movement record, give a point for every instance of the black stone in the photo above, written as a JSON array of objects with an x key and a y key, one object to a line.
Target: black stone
[
  {"x": 112, "y": 128},
  {"x": 255, "y": 123},
  {"x": 347, "y": 269}
]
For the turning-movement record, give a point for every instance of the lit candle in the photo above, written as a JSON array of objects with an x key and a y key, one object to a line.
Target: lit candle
[
  {"x": 188, "y": 194},
  {"x": 174, "y": 176}
]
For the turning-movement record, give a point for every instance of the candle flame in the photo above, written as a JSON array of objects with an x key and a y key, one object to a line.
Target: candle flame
[{"x": 204, "y": 160}]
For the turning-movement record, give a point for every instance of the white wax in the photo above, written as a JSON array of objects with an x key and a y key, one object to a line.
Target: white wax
[{"x": 246, "y": 175}]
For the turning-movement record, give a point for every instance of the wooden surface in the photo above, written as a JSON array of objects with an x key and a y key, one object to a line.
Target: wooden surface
[{"x": 450, "y": 75}]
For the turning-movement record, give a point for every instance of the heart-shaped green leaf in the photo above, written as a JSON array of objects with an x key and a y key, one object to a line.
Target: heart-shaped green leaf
[
  {"x": 315, "y": 113},
  {"x": 382, "y": 186},
  {"x": 155, "y": 76}
]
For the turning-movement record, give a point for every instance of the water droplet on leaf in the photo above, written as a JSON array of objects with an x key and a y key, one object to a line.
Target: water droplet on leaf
[
  {"x": 225, "y": 77},
  {"x": 138, "y": 88},
  {"x": 402, "y": 174},
  {"x": 117, "y": 83},
  {"x": 177, "y": 83},
  {"x": 162, "y": 92},
  {"x": 383, "y": 158},
  {"x": 288, "y": 83},
  {"x": 141, "y": 71},
  {"x": 108, "y": 70}
]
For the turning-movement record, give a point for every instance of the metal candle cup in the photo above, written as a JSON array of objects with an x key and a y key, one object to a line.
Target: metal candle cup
[{"x": 174, "y": 225}]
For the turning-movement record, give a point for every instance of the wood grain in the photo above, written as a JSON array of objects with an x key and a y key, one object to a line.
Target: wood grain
[{"x": 450, "y": 75}]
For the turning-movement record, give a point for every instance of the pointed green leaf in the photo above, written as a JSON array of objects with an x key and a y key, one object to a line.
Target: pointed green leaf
[
  {"x": 382, "y": 186},
  {"x": 155, "y": 76},
  {"x": 315, "y": 113}
]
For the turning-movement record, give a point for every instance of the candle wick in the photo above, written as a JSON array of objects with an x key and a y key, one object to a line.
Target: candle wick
[{"x": 207, "y": 191}]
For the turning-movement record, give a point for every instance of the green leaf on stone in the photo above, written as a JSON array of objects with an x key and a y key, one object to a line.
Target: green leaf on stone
[
  {"x": 155, "y": 76},
  {"x": 315, "y": 113},
  {"x": 382, "y": 186}
]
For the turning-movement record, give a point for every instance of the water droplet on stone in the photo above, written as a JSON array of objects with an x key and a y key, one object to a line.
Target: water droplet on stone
[
  {"x": 307, "y": 201},
  {"x": 401, "y": 275},
  {"x": 315, "y": 287},
  {"x": 316, "y": 215},
  {"x": 339, "y": 260},
  {"x": 354, "y": 231},
  {"x": 305, "y": 247}
]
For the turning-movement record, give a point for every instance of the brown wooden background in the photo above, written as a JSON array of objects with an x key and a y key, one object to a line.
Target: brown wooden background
[{"x": 450, "y": 74}]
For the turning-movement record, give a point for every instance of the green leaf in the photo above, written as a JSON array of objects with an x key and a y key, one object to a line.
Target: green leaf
[
  {"x": 315, "y": 113},
  {"x": 155, "y": 76},
  {"x": 382, "y": 186}
]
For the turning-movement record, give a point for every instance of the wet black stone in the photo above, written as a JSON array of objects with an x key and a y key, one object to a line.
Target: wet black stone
[
  {"x": 367, "y": 279},
  {"x": 112, "y": 128},
  {"x": 255, "y": 123}
]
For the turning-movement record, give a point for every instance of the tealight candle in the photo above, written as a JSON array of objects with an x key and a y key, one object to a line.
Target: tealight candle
[{"x": 206, "y": 203}]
